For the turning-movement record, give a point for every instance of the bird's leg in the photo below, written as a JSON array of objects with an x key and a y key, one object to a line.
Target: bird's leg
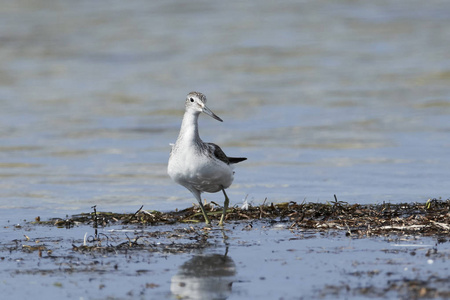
[
  {"x": 207, "y": 222},
  {"x": 197, "y": 196},
  {"x": 225, "y": 207}
]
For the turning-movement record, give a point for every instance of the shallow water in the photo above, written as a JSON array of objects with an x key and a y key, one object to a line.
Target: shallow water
[
  {"x": 348, "y": 98},
  {"x": 262, "y": 261}
]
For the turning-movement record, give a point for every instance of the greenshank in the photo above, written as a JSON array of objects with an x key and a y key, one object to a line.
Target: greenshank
[{"x": 196, "y": 165}]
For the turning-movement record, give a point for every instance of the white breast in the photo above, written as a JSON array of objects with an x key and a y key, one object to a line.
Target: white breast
[{"x": 200, "y": 171}]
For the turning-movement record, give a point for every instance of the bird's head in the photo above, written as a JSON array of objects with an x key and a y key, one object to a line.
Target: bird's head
[{"x": 196, "y": 102}]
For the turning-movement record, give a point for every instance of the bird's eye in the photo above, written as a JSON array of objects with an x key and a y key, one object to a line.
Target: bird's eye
[{"x": 192, "y": 99}]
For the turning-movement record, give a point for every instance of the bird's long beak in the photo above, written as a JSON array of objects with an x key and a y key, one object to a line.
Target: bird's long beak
[{"x": 207, "y": 111}]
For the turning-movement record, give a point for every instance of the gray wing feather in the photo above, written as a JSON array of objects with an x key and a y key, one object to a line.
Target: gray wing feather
[{"x": 220, "y": 155}]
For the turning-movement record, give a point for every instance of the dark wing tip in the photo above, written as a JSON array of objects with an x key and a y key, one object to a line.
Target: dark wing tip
[
  {"x": 220, "y": 155},
  {"x": 235, "y": 160}
]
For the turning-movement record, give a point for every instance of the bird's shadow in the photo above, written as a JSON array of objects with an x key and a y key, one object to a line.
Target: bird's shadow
[{"x": 205, "y": 276}]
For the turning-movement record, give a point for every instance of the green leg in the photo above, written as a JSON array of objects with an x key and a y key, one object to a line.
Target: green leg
[
  {"x": 207, "y": 222},
  {"x": 197, "y": 196},
  {"x": 225, "y": 207}
]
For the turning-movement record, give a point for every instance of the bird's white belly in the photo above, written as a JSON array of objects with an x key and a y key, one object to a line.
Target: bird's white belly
[{"x": 200, "y": 172}]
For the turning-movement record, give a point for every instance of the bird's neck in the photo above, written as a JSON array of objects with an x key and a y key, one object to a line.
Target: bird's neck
[{"x": 189, "y": 128}]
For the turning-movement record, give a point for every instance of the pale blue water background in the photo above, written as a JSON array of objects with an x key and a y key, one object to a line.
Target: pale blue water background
[{"x": 324, "y": 97}]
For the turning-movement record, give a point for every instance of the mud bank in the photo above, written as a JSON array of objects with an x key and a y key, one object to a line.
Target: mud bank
[{"x": 273, "y": 251}]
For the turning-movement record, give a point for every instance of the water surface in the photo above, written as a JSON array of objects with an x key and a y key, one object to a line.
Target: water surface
[
  {"x": 262, "y": 261},
  {"x": 348, "y": 98}
]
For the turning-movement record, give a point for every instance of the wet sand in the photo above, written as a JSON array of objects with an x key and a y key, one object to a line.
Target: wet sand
[{"x": 290, "y": 251}]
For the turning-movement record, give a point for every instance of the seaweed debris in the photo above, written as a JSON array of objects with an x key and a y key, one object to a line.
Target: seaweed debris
[{"x": 429, "y": 218}]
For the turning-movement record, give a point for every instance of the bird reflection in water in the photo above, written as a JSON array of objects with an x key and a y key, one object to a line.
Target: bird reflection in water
[{"x": 204, "y": 277}]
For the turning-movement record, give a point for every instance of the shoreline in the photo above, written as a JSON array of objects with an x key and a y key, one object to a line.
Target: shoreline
[
  {"x": 273, "y": 251},
  {"x": 428, "y": 218}
]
